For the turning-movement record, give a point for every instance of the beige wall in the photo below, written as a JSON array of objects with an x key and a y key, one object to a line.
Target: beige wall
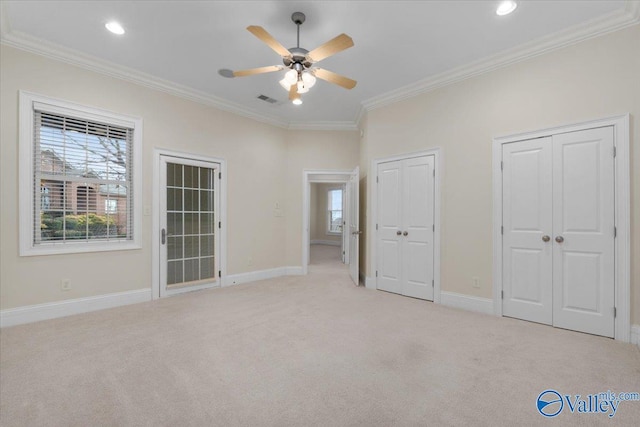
[
  {"x": 597, "y": 78},
  {"x": 318, "y": 212},
  {"x": 307, "y": 150},
  {"x": 257, "y": 157}
]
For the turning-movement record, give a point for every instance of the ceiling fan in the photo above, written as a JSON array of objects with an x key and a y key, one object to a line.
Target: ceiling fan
[{"x": 302, "y": 73}]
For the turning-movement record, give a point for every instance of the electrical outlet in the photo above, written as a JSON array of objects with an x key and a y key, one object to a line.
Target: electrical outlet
[
  {"x": 476, "y": 282},
  {"x": 65, "y": 285}
]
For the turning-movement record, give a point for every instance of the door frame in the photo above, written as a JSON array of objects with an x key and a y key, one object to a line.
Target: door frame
[
  {"x": 155, "y": 210},
  {"x": 326, "y": 176},
  {"x": 622, "y": 182},
  {"x": 372, "y": 246}
]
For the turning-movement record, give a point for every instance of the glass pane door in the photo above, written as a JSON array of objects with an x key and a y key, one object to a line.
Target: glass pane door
[{"x": 189, "y": 243}]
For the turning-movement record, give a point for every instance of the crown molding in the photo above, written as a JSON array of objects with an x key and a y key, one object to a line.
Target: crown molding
[
  {"x": 324, "y": 125},
  {"x": 613, "y": 21},
  {"x": 54, "y": 51}
]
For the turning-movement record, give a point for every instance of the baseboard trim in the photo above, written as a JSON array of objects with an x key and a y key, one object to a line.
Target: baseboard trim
[
  {"x": 369, "y": 283},
  {"x": 326, "y": 242},
  {"x": 53, "y": 310},
  {"x": 635, "y": 335},
  {"x": 254, "y": 276},
  {"x": 467, "y": 302}
]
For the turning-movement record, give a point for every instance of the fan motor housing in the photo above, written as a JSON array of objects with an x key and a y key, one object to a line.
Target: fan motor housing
[{"x": 298, "y": 55}]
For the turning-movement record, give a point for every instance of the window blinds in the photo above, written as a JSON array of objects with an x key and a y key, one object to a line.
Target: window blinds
[{"x": 82, "y": 180}]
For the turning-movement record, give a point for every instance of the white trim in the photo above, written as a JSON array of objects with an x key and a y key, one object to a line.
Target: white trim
[
  {"x": 602, "y": 25},
  {"x": 156, "y": 211},
  {"x": 635, "y": 335},
  {"x": 53, "y": 310},
  {"x": 614, "y": 21},
  {"x": 467, "y": 302},
  {"x": 254, "y": 276},
  {"x": 27, "y": 103},
  {"x": 370, "y": 282},
  {"x": 309, "y": 176},
  {"x": 622, "y": 212},
  {"x": 327, "y": 242},
  {"x": 373, "y": 206},
  {"x": 29, "y": 43}
]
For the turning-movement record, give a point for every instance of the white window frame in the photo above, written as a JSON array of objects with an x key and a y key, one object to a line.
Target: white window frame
[
  {"x": 27, "y": 104},
  {"x": 328, "y": 230}
]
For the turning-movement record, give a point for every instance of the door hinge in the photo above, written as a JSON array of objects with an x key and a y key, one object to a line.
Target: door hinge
[
  {"x": 377, "y": 180},
  {"x": 501, "y": 165},
  {"x": 615, "y": 231},
  {"x": 219, "y": 175},
  {"x": 502, "y": 229},
  {"x": 376, "y": 226},
  {"x": 615, "y": 312},
  {"x": 434, "y": 172},
  {"x": 615, "y": 151},
  {"x": 433, "y": 283},
  {"x": 376, "y": 273},
  {"x": 343, "y": 253},
  {"x": 219, "y": 273},
  {"x": 219, "y": 224},
  {"x": 433, "y": 227},
  {"x": 501, "y": 294}
]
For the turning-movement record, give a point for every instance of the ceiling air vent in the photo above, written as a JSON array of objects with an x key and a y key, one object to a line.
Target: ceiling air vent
[{"x": 268, "y": 99}]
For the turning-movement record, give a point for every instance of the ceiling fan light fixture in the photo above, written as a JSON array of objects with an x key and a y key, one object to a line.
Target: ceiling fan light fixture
[
  {"x": 285, "y": 84},
  {"x": 309, "y": 80},
  {"x": 302, "y": 88},
  {"x": 297, "y": 101},
  {"x": 291, "y": 77},
  {"x": 506, "y": 7}
]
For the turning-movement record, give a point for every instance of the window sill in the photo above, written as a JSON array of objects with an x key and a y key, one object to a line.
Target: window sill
[{"x": 76, "y": 248}]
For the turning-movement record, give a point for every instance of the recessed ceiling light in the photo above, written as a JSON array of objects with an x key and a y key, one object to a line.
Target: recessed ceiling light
[
  {"x": 114, "y": 27},
  {"x": 506, "y": 7}
]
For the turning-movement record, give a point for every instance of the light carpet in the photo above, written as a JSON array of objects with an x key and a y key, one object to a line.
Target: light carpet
[{"x": 302, "y": 351}]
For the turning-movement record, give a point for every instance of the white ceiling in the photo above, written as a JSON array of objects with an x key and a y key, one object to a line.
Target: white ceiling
[{"x": 397, "y": 43}]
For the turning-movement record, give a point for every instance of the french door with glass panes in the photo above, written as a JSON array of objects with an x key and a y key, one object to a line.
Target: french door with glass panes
[{"x": 190, "y": 241}]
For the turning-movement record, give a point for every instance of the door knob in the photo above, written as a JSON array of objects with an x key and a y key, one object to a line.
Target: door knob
[
  {"x": 559, "y": 239},
  {"x": 398, "y": 232},
  {"x": 405, "y": 233},
  {"x": 546, "y": 238}
]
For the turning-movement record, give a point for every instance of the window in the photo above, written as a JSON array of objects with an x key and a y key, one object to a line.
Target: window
[
  {"x": 334, "y": 220},
  {"x": 79, "y": 172}
]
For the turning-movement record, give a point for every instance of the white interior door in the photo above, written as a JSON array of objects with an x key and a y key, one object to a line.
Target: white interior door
[
  {"x": 558, "y": 230},
  {"x": 405, "y": 235},
  {"x": 189, "y": 225},
  {"x": 353, "y": 194},
  {"x": 527, "y": 230},
  {"x": 389, "y": 233},
  {"x": 583, "y": 220},
  {"x": 418, "y": 227}
]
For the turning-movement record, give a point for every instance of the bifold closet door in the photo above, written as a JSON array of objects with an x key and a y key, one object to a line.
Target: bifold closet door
[
  {"x": 405, "y": 233},
  {"x": 527, "y": 230},
  {"x": 583, "y": 222}
]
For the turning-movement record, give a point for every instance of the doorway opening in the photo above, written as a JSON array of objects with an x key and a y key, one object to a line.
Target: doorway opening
[{"x": 330, "y": 218}]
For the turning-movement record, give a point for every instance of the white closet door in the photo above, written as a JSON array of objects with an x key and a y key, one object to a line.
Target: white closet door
[
  {"x": 417, "y": 227},
  {"x": 583, "y": 218},
  {"x": 527, "y": 222},
  {"x": 389, "y": 227}
]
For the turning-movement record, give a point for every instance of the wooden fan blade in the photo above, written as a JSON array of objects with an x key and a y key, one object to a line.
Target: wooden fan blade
[
  {"x": 293, "y": 92},
  {"x": 268, "y": 39},
  {"x": 333, "y": 46},
  {"x": 261, "y": 70},
  {"x": 334, "y": 78}
]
